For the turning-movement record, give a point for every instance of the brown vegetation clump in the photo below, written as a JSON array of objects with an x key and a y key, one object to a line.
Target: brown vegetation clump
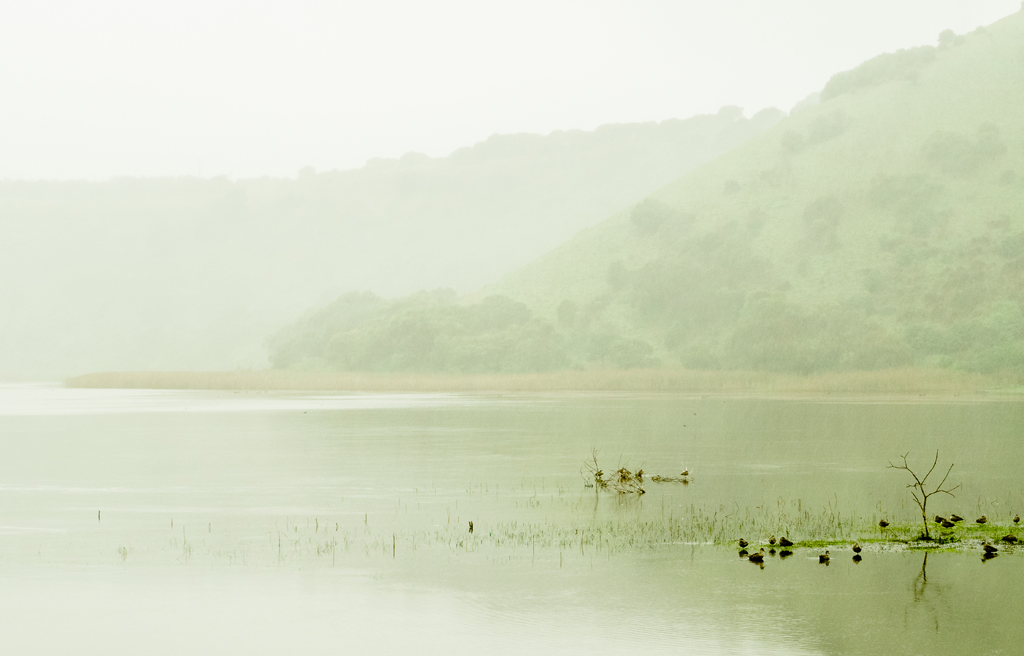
[
  {"x": 886, "y": 382},
  {"x": 622, "y": 481}
]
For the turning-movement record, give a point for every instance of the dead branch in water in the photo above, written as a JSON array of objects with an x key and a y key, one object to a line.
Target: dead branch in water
[{"x": 622, "y": 481}]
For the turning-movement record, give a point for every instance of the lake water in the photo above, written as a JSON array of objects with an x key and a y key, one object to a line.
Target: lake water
[{"x": 210, "y": 523}]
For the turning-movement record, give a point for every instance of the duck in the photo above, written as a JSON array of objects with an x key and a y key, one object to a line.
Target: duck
[
  {"x": 981, "y": 520},
  {"x": 989, "y": 548},
  {"x": 1016, "y": 519},
  {"x": 939, "y": 519},
  {"x": 742, "y": 542},
  {"x": 757, "y": 557},
  {"x": 785, "y": 542},
  {"x": 956, "y": 518},
  {"x": 823, "y": 558},
  {"x": 1009, "y": 538},
  {"x": 948, "y": 524},
  {"x": 771, "y": 540},
  {"x": 883, "y": 523},
  {"x": 856, "y": 547}
]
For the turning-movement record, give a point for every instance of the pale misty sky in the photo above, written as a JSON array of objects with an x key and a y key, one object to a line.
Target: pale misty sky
[{"x": 108, "y": 88}]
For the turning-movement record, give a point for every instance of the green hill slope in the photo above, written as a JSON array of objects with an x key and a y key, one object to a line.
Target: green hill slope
[
  {"x": 883, "y": 227},
  {"x": 193, "y": 274}
]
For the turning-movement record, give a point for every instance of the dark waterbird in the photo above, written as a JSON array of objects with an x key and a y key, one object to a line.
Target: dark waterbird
[
  {"x": 742, "y": 542},
  {"x": 785, "y": 542},
  {"x": 989, "y": 548},
  {"x": 956, "y": 518},
  {"x": 856, "y": 547},
  {"x": 939, "y": 520},
  {"x": 883, "y": 523},
  {"x": 757, "y": 557},
  {"x": 823, "y": 558},
  {"x": 1009, "y": 538},
  {"x": 1016, "y": 519},
  {"x": 771, "y": 540},
  {"x": 981, "y": 520},
  {"x": 948, "y": 524}
]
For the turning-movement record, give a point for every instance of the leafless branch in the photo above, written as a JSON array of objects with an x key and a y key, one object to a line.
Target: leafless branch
[{"x": 917, "y": 488}]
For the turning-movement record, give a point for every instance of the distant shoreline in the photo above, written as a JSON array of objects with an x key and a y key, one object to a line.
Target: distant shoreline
[{"x": 886, "y": 382}]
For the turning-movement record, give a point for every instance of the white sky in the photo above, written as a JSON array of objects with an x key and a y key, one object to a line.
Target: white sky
[{"x": 105, "y": 88}]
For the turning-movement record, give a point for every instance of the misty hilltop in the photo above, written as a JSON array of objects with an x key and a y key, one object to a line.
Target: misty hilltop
[
  {"x": 883, "y": 227},
  {"x": 188, "y": 273}
]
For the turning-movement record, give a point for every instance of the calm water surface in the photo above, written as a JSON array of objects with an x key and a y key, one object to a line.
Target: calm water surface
[{"x": 159, "y": 522}]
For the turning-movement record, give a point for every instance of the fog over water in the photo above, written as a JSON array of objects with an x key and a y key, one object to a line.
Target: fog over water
[
  {"x": 538, "y": 327},
  {"x": 208, "y": 521}
]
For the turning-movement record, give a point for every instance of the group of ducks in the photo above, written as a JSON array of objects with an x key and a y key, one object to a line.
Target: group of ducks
[
  {"x": 783, "y": 543},
  {"x": 990, "y": 551},
  {"x": 824, "y": 558},
  {"x": 954, "y": 519}
]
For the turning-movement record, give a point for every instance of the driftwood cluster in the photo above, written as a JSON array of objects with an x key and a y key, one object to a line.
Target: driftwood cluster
[{"x": 623, "y": 480}]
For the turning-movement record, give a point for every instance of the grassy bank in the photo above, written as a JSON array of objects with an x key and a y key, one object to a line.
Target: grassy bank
[{"x": 893, "y": 381}]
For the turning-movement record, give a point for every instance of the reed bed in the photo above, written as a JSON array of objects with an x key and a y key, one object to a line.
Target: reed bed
[
  {"x": 909, "y": 381},
  {"x": 609, "y": 536},
  {"x": 694, "y": 527},
  {"x": 322, "y": 541},
  {"x": 807, "y": 531}
]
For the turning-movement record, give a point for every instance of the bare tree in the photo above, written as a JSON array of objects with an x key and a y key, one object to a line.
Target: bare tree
[{"x": 918, "y": 491}]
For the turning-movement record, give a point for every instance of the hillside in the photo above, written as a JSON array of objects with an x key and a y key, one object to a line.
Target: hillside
[
  {"x": 194, "y": 273},
  {"x": 883, "y": 227}
]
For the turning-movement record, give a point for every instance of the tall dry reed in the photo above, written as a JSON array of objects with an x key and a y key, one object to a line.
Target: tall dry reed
[{"x": 891, "y": 381}]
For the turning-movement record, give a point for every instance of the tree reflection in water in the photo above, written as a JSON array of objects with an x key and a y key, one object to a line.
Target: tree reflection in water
[
  {"x": 921, "y": 581},
  {"x": 921, "y": 586}
]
